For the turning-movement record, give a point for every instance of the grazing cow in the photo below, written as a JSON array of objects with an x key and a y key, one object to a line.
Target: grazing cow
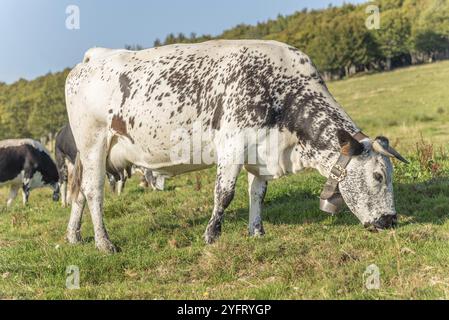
[
  {"x": 26, "y": 164},
  {"x": 65, "y": 153},
  {"x": 136, "y": 107}
]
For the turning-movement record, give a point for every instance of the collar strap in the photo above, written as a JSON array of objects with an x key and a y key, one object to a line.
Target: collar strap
[
  {"x": 337, "y": 174},
  {"x": 330, "y": 198},
  {"x": 359, "y": 136}
]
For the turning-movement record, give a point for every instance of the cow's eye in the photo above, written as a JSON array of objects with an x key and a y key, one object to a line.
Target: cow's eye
[{"x": 378, "y": 177}]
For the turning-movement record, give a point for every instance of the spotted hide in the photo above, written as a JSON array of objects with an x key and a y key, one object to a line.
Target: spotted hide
[{"x": 128, "y": 107}]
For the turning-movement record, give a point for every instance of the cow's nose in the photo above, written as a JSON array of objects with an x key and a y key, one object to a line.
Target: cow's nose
[
  {"x": 386, "y": 221},
  {"x": 55, "y": 196}
]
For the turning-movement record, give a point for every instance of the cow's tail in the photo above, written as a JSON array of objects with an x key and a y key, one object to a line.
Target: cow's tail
[{"x": 77, "y": 178}]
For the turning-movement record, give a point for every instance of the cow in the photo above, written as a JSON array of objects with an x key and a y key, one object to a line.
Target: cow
[
  {"x": 65, "y": 154},
  {"x": 136, "y": 107},
  {"x": 26, "y": 164}
]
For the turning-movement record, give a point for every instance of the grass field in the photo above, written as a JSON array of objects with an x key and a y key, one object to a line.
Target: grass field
[{"x": 305, "y": 254}]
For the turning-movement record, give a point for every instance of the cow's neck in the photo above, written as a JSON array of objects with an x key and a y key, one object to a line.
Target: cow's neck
[
  {"x": 320, "y": 154},
  {"x": 313, "y": 120}
]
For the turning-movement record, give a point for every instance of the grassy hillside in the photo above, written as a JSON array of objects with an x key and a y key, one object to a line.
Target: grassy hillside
[
  {"x": 402, "y": 105},
  {"x": 305, "y": 254}
]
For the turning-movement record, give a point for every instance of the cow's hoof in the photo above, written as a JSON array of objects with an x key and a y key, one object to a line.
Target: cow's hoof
[
  {"x": 74, "y": 237},
  {"x": 257, "y": 230},
  {"x": 212, "y": 233},
  {"x": 210, "y": 236},
  {"x": 105, "y": 245},
  {"x": 257, "y": 233},
  {"x": 209, "y": 239}
]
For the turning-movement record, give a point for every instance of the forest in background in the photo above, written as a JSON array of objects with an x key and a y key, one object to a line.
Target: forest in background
[{"x": 336, "y": 38}]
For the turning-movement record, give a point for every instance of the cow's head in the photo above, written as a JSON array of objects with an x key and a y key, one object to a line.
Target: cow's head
[
  {"x": 42, "y": 179},
  {"x": 50, "y": 178},
  {"x": 367, "y": 188},
  {"x": 56, "y": 191}
]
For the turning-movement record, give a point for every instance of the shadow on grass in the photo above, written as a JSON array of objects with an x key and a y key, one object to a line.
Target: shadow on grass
[
  {"x": 297, "y": 207},
  {"x": 425, "y": 202}
]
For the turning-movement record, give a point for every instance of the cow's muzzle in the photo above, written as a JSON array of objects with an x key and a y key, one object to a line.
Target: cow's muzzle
[{"x": 56, "y": 196}]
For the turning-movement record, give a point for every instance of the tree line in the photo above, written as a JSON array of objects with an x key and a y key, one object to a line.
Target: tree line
[
  {"x": 339, "y": 42},
  {"x": 336, "y": 38},
  {"x": 33, "y": 108}
]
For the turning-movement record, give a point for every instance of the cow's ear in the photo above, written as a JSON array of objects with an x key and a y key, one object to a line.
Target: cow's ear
[{"x": 349, "y": 146}]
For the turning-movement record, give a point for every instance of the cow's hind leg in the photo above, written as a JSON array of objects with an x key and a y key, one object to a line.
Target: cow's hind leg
[
  {"x": 63, "y": 187},
  {"x": 62, "y": 171},
  {"x": 88, "y": 184},
  {"x": 63, "y": 180},
  {"x": 121, "y": 184},
  {"x": 12, "y": 195},
  {"x": 257, "y": 188},
  {"x": 74, "y": 227},
  {"x": 223, "y": 195},
  {"x": 93, "y": 160},
  {"x": 65, "y": 177},
  {"x": 68, "y": 183},
  {"x": 112, "y": 182}
]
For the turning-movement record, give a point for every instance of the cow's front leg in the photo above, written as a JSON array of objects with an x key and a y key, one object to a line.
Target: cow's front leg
[
  {"x": 12, "y": 195},
  {"x": 223, "y": 195},
  {"x": 257, "y": 188}
]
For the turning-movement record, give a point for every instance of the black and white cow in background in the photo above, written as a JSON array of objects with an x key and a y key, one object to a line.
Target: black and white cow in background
[
  {"x": 26, "y": 164},
  {"x": 65, "y": 153},
  {"x": 124, "y": 107}
]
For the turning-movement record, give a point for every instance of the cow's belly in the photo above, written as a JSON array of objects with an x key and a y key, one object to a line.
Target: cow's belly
[
  {"x": 159, "y": 156},
  {"x": 15, "y": 181},
  {"x": 35, "y": 182},
  {"x": 170, "y": 156}
]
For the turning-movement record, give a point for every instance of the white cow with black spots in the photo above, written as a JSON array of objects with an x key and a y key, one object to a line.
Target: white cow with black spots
[{"x": 134, "y": 107}]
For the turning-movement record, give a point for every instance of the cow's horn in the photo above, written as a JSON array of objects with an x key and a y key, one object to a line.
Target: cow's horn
[{"x": 381, "y": 145}]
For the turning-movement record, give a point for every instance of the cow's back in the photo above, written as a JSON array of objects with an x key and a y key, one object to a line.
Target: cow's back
[
  {"x": 145, "y": 96},
  {"x": 238, "y": 82}
]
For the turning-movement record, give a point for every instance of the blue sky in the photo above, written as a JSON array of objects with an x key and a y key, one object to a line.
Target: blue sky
[{"x": 35, "y": 39}]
